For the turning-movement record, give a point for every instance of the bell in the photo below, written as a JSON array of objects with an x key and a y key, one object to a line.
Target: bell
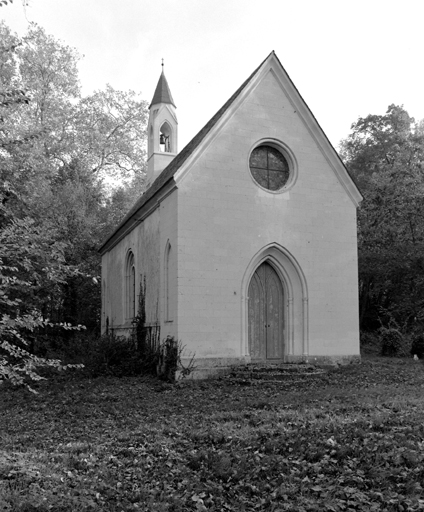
[{"x": 162, "y": 139}]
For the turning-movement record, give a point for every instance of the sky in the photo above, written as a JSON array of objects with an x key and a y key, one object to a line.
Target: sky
[{"x": 347, "y": 58}]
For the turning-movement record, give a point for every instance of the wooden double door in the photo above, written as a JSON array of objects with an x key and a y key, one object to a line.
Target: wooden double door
[{"x": 266, "y": 314}]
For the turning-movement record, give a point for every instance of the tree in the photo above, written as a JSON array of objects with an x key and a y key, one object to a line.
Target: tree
[
  {"x": 105, "y": 132},
  {"x": 32, "y": 268},
  {"x": 57, "y": 153},
  {"x": 112, "y": 133},
  {"x": 61, "y": 151},
  {"x": 385, "y": 154}
]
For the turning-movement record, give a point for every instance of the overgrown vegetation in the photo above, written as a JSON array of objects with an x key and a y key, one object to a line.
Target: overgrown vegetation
[
  {"x": 106, "y": 355},
  {"x": 391, "y": 342},
  {"x": 110, "y": 355},
  {"x": 351, "y": 439},
  {"x": 146, "y": 337},
  {"x": 57, "y": 148},
  {"x": 417, "y": 346},
  {"x": 141, "y": 353},
  {"x": 385, "y": 155},
  {"x": 31, "y": 270}
]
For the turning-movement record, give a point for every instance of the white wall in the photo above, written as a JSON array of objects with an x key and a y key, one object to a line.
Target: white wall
[
  {"x": 144, "y": 242},
  {"x": 225, "y": 219}
]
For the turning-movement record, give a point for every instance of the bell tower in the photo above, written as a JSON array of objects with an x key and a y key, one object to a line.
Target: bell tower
[{"x": 162, "y": 130}]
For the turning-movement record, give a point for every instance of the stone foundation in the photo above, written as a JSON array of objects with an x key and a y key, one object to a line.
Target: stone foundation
[{"x": 216, "y": 367}]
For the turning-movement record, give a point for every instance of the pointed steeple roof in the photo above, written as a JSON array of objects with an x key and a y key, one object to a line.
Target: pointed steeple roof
[{"x": 162, "y": 92}]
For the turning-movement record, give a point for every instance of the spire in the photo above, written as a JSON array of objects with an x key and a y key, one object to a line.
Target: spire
[
  {"x": 162, "y": 129},
  {"x": 162, "y": 92}
]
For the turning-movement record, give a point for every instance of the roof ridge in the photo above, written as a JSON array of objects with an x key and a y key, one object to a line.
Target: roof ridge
[
  {"x": 169, "y": 171},
  {"x": 319, "y": 126}
]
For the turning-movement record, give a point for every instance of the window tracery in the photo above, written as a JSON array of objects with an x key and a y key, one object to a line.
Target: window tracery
[{"x": 269, "y": 167}]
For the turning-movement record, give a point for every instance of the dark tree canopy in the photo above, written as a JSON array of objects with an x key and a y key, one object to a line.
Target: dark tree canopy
[{"x": 385, "y": 154}]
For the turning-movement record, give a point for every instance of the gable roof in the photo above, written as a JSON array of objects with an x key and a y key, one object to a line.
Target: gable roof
[
  {"x": 168, "y": 173},
  {"x": 162, "y": 92}
]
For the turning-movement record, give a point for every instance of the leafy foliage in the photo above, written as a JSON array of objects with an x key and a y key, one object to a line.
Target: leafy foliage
[
  {"x": 111, "y": 355},
  {"x": 370, "y": 343},
  {"x": 56, "y": 151},
  {"x": 31, "y": 268},
  {"x": 112, "y": 133},
  {"x": 391, "y": 342},
  {"x": 385, "y": 154},
  {"x": 162, "y": 359},
  {"x": 101, "y": 355},
  {"x": 417, "y": 346}
]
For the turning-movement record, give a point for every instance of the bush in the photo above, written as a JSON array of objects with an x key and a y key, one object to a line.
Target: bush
[
  {"x": 118, "y": 355},
  {"x": 417, "y": 346},
  {"x": 370, "y": 343},
  {"x": 100, "y": 355},
  {"x": 392, "y": 342},
  {"x": 104, "y": 355},
  {"x": 169, "y": 357}
]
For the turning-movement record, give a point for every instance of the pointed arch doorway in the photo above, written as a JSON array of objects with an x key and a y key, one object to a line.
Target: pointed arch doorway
[{"x": 266, "y": 317}]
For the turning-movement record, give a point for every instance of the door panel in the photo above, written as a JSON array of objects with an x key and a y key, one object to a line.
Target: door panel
[
  {"x": 274, "y": 315},
  {"x": 266, "y": 314},
  {"x": 256, "y": 319}
]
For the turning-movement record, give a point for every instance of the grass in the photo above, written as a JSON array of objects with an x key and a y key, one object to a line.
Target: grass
[{"x": 350, "y": 439}]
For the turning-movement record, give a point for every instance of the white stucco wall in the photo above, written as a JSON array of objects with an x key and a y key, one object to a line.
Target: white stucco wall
[
  {"x": 169, "y": 236},
  {"x": 148, "y": 241},
  {"x": 225, "y": 219},
  {"x": 144, "y": 242}
]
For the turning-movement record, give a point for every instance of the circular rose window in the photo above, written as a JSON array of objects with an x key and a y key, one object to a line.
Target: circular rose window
[{"x": 269, "y": 167}]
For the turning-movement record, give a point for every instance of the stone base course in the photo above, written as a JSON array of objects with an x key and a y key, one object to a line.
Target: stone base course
[{"x": 243, "y": 368}]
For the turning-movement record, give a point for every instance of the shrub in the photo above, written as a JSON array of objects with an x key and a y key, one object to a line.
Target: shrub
[
  {"x": 391, "y": 342},
  {"x": 120, "y": 356},
  {"x": 160, "y": 359},
  {"x": 370, "y": 342},
  {"x": 417, "y": 346},
  {"x": 104, "y": 355}
]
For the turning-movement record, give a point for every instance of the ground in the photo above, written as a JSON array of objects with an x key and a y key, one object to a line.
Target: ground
[{"x": 347, "y": 439}]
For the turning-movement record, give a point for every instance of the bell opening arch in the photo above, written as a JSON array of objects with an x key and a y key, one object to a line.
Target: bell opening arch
[
  {"x": 275, "y": 259},
  {"x": 166, "y": 142}
]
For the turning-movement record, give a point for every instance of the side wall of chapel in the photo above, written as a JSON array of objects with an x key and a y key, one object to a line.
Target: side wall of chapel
[
  {"x": 154, "y": 245},
  {"x": 144, "y": 242}
]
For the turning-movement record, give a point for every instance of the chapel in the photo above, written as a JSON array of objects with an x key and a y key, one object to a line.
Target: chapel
[{"x": 244, "y": 244}]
